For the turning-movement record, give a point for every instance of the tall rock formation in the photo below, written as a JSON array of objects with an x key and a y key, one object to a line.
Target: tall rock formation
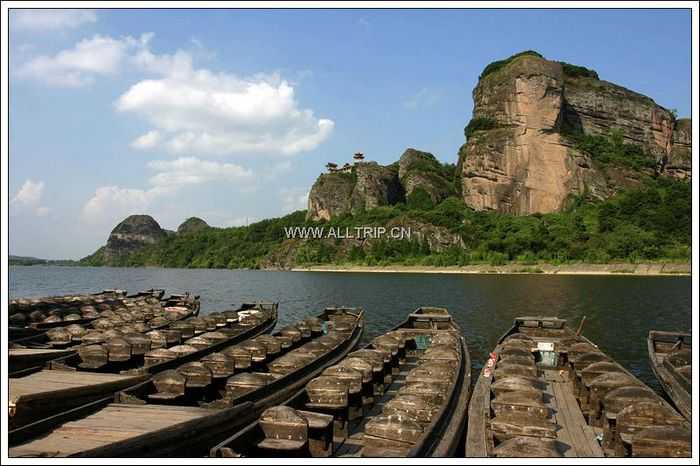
[
  {"x": 420, "y": 170},
  {"x": 132, "y": 234},
  {"x": 366, "y": 186},
  {"x": 520, "y": 156}
]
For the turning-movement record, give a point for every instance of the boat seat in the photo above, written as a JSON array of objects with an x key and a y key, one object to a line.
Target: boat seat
[
  {"x": 521, "y": 402},
  {"x": 272, "y": 344},
  {"x": 185, "y": 328},
  {"x": 158, "y": 339},
  {"x": 315, "y": 325},
  {"x": 586, "y": 359},
  {"x": 304, "y": 328},
  {"x": 679, "y": 358},
  {"x": 199, "y": 342},
  {"x": 291, "y": 332},
  {"x": 412, "y": 406},
  {"x": 517, "y": 384},
  {"x": 505, "y": 370},
  {"x": 215, "y": 336},
  {"x": 197, "y": 375},
  {"x": 169, "y": 385},
  {"x": 514, "y": 424},
  {"x": 384, "y": 452},
  {"x": 314, "y": 348},
  {"x": 289, "y": 363},
  {"x": 183, "y": 350},
  {"x": 172, "y": 337},
  {"x": 432, "y": 393},
  {"x": 158, "y": 356},
  {"x": 242, "y": 358},
  {"x": 394, "y": 432},
  {"x": 220, "y": 364},
  {"x": 432, "y": 371},
  {"x": 524, "y": 345},
  {"x": 211, "y": 323},
  {"x": 219, "y": 318},
  {"x": 285, "y": 430},
  {"x": 93, "y": 356},
  {"x": 662, "y": 442},
  {"x": 574, "y": 351},
  {"x": 519, "y": 352},
  {"x": 198, "y": 323},
  {"x": 119, "y": 349},
  {"x": 239, "y": 384},
  {"x": 528, "y": 447},
  {"x": 258, "y": 351},
  {"x": 619, "y": 398},
  {"x": 527, "y": 361},
  {"x": 140, "y": 343},
  {"x": 330, "y": 395},
  {"x": 639, "y": 416},
  {"x": 590, "y": 372},
  {"x": 601, "y": 386}
]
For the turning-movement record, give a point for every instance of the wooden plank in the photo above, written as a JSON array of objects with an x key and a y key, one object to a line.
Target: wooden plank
[
  {"x": 479, "y": 409},
  {"x": 114, "y": 423},
  {"x": 574, "y": 430}
]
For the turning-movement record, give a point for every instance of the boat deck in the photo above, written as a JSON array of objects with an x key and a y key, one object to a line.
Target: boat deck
[
  {"x": 58, "y": 383},
  {"x": 114, "y": 423},
  {"x": 352, "y": 446},
  {"x": 574, "y": 434}
]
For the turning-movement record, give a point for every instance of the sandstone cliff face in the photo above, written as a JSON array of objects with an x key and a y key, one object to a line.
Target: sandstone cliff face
[
  {"x": 132, "y": 234},
  {"x": 524, "y": 162},
  {"x": 370, "y": 185}
]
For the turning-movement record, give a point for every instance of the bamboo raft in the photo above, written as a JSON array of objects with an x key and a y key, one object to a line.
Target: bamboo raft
[
  {"x": 131, "y": 316},
  {"x": 404, "y": 394},
  {"x": 101, "y": 369},
  {"x": 546, "y": 391},
  {"x": 670, "y": 357},
  {"x": 185, "y": 410}
]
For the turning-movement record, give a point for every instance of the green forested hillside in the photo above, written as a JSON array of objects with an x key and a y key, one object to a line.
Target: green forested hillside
[{"x": 647, "y": 223}]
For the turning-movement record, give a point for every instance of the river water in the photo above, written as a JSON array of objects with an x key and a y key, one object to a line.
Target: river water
[{"x": 620, "y": 310}]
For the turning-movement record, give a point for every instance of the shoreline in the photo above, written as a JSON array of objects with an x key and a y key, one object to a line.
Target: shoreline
[{"x": 664, "y": 270}]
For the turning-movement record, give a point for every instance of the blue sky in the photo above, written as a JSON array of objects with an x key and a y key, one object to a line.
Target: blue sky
[{"x": 230, "y": 114}]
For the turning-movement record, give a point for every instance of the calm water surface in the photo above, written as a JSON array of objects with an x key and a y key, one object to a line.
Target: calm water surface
[{"x": 620, "y": 310}]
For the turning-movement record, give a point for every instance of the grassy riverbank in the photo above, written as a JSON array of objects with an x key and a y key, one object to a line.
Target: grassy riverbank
[{"x": 652, "y": 269}]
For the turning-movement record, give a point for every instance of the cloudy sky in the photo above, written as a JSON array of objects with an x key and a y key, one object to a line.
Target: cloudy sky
[{"x": 230, "y": 115}]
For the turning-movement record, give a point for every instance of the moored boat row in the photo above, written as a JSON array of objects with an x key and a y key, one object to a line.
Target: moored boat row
[
  {"x": 227, "y": 388},
  {"x": 184, "y": 410}
]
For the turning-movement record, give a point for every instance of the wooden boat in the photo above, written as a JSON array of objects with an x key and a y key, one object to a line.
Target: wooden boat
[
  {"x": 98, "y": 370},
  {"x": 547, "y": 391},
  {"x": 404, "y": 394},
  {"x": 670, "y": 357},
  {"x": 183, "y": 411},
  {"x": 32, "y": 316},
  {"x": 132, "y": 316}
]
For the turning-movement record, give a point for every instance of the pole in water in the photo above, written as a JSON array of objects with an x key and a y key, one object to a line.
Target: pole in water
[{"x": 580, "y": 326}]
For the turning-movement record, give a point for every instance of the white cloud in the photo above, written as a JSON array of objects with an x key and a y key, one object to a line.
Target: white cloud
[
  {"x": 113, "y": 202},
  {"x": 294, "y": 199},
  {"x": 51, "y": 19},
  {"x": 146, "y": 141},
  {"x": 76, "y": 67},
  {"x": 197, "y": 111},
  {"x": 28, "y": 198}
]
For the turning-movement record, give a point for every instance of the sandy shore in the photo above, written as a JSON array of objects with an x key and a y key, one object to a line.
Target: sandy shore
[{"x": 566, "y": 269}]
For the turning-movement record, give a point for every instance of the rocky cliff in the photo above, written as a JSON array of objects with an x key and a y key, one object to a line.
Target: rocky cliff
[
  {"x": 130, "y": 235},
  {"x": 366, "y": 186},
  {"x": 523, "y": 153}
]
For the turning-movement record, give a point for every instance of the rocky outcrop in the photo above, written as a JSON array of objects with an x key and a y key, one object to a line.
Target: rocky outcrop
[
  {"x": 192, "y": 225},
  {"x": 422, "y": 171},
  {"x": 678, "y": 162},
  {"x": 520, "y": 158},
  {"x": 367, "y": 186},
  {"x": 132, "y": 234}
]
